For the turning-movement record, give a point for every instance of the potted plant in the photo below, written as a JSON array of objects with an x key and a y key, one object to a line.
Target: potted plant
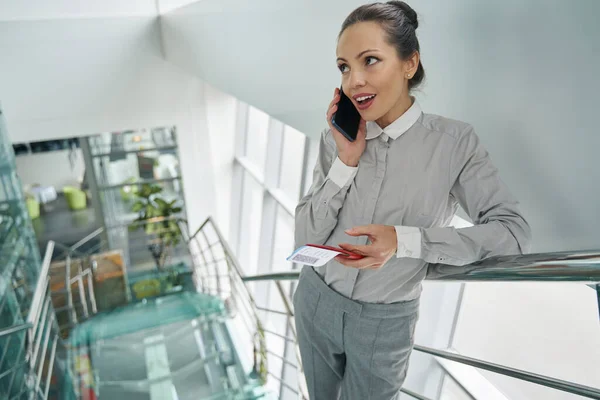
[
  {"x": 174, "y": 280},
  {"x": 156, "y": 217}
]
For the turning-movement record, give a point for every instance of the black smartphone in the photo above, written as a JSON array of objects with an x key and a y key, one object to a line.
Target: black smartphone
[{"x": 347, "y": 118}]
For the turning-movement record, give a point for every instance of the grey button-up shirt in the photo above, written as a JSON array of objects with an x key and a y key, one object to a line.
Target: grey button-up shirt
[{"x": 412, "y": 175}]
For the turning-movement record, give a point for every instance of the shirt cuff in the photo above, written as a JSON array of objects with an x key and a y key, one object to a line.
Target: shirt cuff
[
  {"x": 409, "y": 241},
  {"x": 341, "y": 174}
]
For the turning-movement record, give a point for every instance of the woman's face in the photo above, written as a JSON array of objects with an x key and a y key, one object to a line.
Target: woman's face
[{"x": 373, "y": 75}]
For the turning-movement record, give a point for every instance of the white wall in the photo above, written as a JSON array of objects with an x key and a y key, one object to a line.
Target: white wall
[
  {"x": 221, "y": 117},
  {"x": 51, "y": 169},
  {"x": 74, "y": 77},
  {"x": 547, "y": 328}
]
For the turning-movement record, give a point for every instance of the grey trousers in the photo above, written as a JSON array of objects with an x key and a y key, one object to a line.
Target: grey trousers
[{"x": 351, "y": 350}]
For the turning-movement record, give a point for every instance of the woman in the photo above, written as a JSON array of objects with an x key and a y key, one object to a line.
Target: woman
[{"x": 390, "y": 195}]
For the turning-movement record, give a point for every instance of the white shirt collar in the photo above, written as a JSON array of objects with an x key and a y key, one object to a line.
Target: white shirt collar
[{"x": 399, "y": 126}]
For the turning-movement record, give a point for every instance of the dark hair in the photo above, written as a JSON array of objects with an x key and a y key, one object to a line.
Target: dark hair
[{"x": 400, "y": 23}]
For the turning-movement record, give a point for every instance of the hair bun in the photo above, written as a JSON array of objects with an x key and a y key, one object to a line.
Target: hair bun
[{"x": 408, "y": 12}]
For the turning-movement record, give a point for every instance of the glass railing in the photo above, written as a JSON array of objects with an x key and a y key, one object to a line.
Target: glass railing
[
  {"x": 33, "y": 350},
  {"x": 26, "y": 344},
  {"x": 218, "y": 273},
  {"x": 158, "y": 344}
]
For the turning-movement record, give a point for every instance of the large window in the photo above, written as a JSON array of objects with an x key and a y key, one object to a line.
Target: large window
[
  {"x": 292, "y": 157},
  {"x": 273, "y": 166},
  {"x": 256, "y": 138},
  {"x": 283, "y": 243},
  {"x": 250, "y": 224}
]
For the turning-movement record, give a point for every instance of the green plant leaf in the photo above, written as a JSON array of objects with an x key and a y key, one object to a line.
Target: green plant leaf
[
  {"x": 150, "y": 228},
  {"x": 155, "y": 189},
  {"x": 137, "y": 206},
  {"x": 145, "y": 191},
  {"x": 163, "y": 206},
  {"x": 151, "y": 211}
]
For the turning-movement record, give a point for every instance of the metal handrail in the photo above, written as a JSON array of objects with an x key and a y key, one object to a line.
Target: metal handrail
[
  {"x": 578, "y": 266},
  {"x": 277, "y": 276},
  {"x": 42, "y": 334},
  {"x": 39, "y": 346},
  {"x": 232, "y": 262},
  {"x": 575, "y": 266},
  {"x": 14, "y": 329},
  {"x": 566, "y": 266},
  {"x": 547, "y": 381},
  {"x": 87, "y": 239},
  {"x": 581, "y": 266},
  {"x": 40, "y": 286},
  {"x": 414, "y": 395},
  {"x": 67, "y": 250},
  {"x": 78, "y": 278},
  {"x": 238, "y": 289}
]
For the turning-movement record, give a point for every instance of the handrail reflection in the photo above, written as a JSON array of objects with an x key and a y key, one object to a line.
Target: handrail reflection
[
  {"x": 573, "y": 266},
  {"x": 576, "y": 266}
]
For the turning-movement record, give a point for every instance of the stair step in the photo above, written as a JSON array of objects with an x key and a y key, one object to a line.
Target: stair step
[{"x": 173, "y": 347}]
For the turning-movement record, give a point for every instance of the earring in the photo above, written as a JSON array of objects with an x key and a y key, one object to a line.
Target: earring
[{"x": 408, "y": 76}]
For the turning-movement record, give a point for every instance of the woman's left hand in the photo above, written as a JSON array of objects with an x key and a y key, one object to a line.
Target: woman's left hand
[{"x": 383, "y": 246}]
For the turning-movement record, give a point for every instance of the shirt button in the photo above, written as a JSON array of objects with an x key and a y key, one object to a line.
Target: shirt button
[{"x": 409, "y": 253}]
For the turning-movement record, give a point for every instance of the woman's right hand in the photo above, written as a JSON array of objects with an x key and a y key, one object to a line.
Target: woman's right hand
[{"x": 348, "y": 152}]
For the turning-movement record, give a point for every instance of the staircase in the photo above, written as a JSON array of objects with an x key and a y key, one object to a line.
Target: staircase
[
  {"x": 142, "y": 339},
  {"x": 171, "y": 347},
  {"x": 148, "y": 341}
]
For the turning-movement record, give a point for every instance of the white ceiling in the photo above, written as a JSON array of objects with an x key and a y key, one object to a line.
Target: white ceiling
[
  {"x": 170, "y": 5},
  {"x": 22, "y": 10},
  {"x": 61, "y": 78},
  {"x": 11, "y": 10}
]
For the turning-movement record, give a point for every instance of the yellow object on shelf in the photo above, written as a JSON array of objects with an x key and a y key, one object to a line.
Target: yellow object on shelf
[
  {"x": 146, "y": 288},
  {"x": 76, "y": 198},
  {"x": 33, "y": 207}
]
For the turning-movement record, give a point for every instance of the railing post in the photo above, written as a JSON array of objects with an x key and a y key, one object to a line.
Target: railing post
[
  {"x": 205, "y": 279},
  {"x": 82, "y": 295},
  {"x": 598, "y": 294},
  {"x": 71, "y": 309},
  {"x": 288, "y": 308},
  {"x": 214, "y": 262},
  {"x": 90, "y": 282}
]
